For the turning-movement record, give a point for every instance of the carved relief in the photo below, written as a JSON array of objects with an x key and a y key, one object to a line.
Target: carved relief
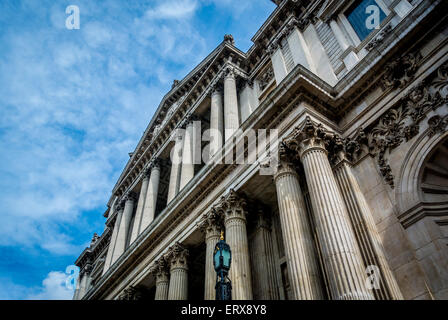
[
  {"x": 265, "y": 78},
  {"x": 401, "y": 71},
  {"x": 437, "y": 124},
  {"x": 401, "y": 123},
  {"x": 232, "y": 205},
  {"x": 129, "y": 294},
  {"x": 380, "y": 38},
  {"x": 177, "y": 256}
]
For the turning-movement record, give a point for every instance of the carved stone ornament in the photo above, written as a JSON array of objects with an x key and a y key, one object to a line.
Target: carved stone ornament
[
  {"x": 266, "y": 77},
  {"x": 401, "y": 123},
  {"x": 212, "y": 221},
  {"x": 228, "y": 38},
  {"x": 401, "y": 71},
  {"x": 437, "y": 124},
  {"x": 130, "y": 294},
  {"x": 232, "y": 205},
  {"x": 177, "y": 256},
  {"x": 309, "y": 134},
  {"x": 161, "y": 268},
  {"x": 379, "y": 38}
]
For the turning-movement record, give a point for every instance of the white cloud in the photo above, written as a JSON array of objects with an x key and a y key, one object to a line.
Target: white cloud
[
  {"x": 53, "y": 288},
  {"x": 175, "y": 9},
  {"x": 74, "y": 103}
]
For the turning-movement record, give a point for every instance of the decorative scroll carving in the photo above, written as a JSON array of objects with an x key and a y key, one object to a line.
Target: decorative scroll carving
[
  {"x": 228, "y": 38},
  {"x": 437, "y": 124},
  {"x": 380, "y": 38},
  {"x": 401, "y": 71},
  {"x": 310, "y": 134},
  {"x": 130, "y": 196},
  {"x": 232, "y": 204},
  {"x": 266, "y": 77},
  {"x": 94, "y": 239},
  {"x": 177, "y": 256},
  {"x": 211, "y": 221},
  {"x": 160, "y": 269},
  {"x": 129, "y": 294},
  {"x": 401, "y": 123}
]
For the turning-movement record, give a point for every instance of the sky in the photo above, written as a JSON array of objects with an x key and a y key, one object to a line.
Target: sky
[{"x": 74, "y": 103}]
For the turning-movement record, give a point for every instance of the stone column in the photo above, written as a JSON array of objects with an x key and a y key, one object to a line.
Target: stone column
[
  {"x": 262, "y": 257},
  {"x": 85, "y": 281},
  {"x": 298, "y": 239},
  {"x": 176, "y": 163},
  {"x": 364, "y": 226},
  {"x": 161, "y": 272},
  {"x": 140, "y": 205},
  {"x": 211, "y": 224},
  {"x": 232, "y": 206},
  {"x": 231, "y": 113},
  {"x": 339, "y": 35},
  {"x": 149, "y": 209},
  {"x": 120, "y": 245},
  {"x": 113, "y": 240},
  {"x": 178, "y": 289},
  {"x": 341, "y": 255},
  {"x": 216, "y": 122},
  {"x": 187, "y": 171}
]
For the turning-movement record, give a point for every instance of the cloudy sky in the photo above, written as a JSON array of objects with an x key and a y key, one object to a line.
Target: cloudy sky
[{"x": 73, "y": 103}]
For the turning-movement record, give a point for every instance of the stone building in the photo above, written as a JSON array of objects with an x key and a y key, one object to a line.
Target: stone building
[{"x": 356, "y": 206}]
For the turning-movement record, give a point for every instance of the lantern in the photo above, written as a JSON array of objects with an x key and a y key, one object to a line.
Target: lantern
[{"x": 222, "y": 258}]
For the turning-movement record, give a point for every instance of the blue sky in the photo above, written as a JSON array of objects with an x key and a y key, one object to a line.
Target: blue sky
[{"x": 73, "y": 103}]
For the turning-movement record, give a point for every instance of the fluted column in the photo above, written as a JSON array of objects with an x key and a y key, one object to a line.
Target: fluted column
[
  {"x": 298, "y": 239},
  {"x": 232, "y": 206},
  {"x": 211, "y": 225},
  {"x": 140, "y": 206},
  {"x": 262, "y": 257},
  {"x": 120, "y": 244},
  {"x": 113, "y": 240},
  {"x": 178, "y": 288},
  {"x": 216, "y": 122},
  {"x": 341, "y": 255},
  {"x": 85, "y": 281},
  {"x": 187, "y": 171},
  {"x": 361, "y": 218},
  {"x": 176, "y": 165},
  {"x": 161, "y": 272},
  {"x": 339, "y": 35},
  {"x": 231, "y": 113},
  {"x": 152, "y": 193}
]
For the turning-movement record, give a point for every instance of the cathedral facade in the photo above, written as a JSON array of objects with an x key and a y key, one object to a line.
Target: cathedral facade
[{"x": 321, "y": 153}]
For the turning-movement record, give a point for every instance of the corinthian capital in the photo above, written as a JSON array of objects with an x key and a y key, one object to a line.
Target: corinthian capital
[
  {"x": 177, "y": 255},
  {"x": 160, "y": 269},
  {"x": 308, "y": 136},
  {"x": 130, "y": 196},
  {"x": 211, "y": 222},
  {"x": 232, "y": 205}
]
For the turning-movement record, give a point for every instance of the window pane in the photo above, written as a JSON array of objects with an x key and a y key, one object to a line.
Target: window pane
[{"x": 363, "y": 15}]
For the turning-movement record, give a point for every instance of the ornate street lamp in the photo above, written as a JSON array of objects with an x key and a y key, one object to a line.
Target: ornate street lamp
[{"x": 222, "y": 258}]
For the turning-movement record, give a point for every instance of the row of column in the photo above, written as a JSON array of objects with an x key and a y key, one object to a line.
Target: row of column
[
  {"x": 224, "y": 112},
  {"x": 347, "y": 238},
  {"x": 224, "y": 121},
  {"x": 171, "y": 272},
  {"x": 124, "y": 232},
  {"x": 343, "y": 262}
]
